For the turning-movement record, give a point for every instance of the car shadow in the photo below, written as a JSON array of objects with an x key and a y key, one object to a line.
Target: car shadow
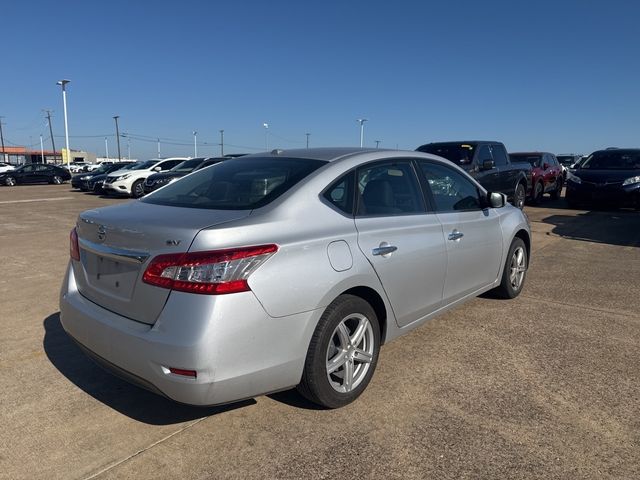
[
  {"x": 294, "y": 399},
  {"x": 617, "y": 227},
  {"x": 130, "y": 400}
]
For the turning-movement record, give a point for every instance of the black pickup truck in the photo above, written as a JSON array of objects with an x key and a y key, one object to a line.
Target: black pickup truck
[{"x": 489, "y": 163}]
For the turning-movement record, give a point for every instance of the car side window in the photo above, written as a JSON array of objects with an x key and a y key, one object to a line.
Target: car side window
[
  {"x": 28, "y": 169},
  {"x": 388, "y": 188},
  {"x": 169, "y": 165},
  {"x": 484, "y": 154},
  {"x": 499, "y": 155},
  {"x": 451, "y": 190},
  {"x": 340, "y": 193}
]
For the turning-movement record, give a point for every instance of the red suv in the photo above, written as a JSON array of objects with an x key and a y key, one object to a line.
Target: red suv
[{"x": 546, "y": 174}]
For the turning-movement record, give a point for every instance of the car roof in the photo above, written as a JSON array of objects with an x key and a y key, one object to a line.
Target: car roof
[
  {"x": 327, "y": 154},
  {"x": 530, "y": 153}
]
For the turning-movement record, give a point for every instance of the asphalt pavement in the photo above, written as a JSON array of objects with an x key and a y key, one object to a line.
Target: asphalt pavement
[{"x": 543, "y": 386}]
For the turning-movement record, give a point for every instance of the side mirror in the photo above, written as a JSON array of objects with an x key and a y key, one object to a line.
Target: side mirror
[
  {"x": 488, "y": 165},
  {"x": 496, "y": 200},
  {"x": 156, "y": 169}
]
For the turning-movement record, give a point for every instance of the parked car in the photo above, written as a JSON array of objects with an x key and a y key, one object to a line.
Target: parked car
[
  {"x": 610, "y": 176},
  {"x": 96, "y": 182},
  {"x": 81, "y": 180},
  {"x": 77, "y": 166},
  {"x": 282, "y": 269},
  {"x": 35, "y": 173},
  {"x": 489, "y": 164},
  {"x": 546, "y": 174},
  {"x": 157, "y": 180},
  {"x": 131, "y": 182},
  {"x": 6, "y": 167}
]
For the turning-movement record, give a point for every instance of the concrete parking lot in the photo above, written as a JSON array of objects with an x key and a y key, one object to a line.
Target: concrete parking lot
[{"x": 545, "y": 386}]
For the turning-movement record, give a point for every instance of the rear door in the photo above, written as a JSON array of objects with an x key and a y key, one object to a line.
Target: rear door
[
  {"x": 402, "y": 241},
  {"x": 473, "y": 235}
]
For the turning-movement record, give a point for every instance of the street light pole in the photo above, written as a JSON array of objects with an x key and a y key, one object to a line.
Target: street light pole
[
  {"x": 63, "y": 84},
  {"x": 41, "y": 149},
  {"x": 128, "y": 148},
  {"x": 222, "y": 143},
  {"x": 377, "y": 143},
  {"x": 361, "y": 122},
  {"x": 106, "y": 148},
  {"x": 195, "y": 143},
  {"x": 116, "y": 117},
  {"x": 307, "y": 134},
  {"x": 159, "y": 148},
  {"x": 266, "y": 139}
]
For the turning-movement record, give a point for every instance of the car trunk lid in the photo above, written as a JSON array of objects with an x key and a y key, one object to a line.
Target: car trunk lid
[{"x": 116, "y": 244}]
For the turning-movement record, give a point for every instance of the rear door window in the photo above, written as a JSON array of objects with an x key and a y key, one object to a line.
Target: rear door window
[{"x": 499, "y": 155}]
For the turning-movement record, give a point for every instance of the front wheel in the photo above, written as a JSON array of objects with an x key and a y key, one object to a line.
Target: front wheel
[
  {"x": 56, "y": 180},
  {"x": 137, "y": 189},
  {"x": 9, "y": 181},
  {"x": 343, "y": 353},
  {"x": 515, "y": 270}
]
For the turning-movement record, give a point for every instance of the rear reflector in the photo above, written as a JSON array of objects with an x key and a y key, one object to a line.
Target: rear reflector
[
  {"x": 214, "y": 272},
  {"x": 184, "y": 373},
  {"x": 74, "y": 249}
]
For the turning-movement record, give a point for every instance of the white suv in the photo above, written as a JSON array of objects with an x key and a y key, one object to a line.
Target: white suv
[{"x": 130, "y": 182}]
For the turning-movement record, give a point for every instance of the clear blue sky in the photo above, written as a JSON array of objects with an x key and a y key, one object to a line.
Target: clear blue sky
[{"x": 562, "y": 76}]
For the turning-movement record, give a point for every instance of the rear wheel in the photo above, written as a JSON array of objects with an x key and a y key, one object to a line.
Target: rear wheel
[
  {"x": 538, "y": 191},
  {"x": 137, "y": 189},
  {"x": 9, "y": 181},
  {"x": 56, "y": 180},
  {"x": 519, "y": 196},
  {"x": 515, "y": 270},
  {"x": 343, "y": 353}
]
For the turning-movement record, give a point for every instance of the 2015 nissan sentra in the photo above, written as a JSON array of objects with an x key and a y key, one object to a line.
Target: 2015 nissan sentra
[{"x": 284, "y": 269}]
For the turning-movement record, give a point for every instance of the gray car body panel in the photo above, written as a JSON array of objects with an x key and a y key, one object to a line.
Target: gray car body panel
[{"x": 250, "y": 343}]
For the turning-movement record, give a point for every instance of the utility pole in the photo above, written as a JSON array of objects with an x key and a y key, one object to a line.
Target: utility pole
[
  {"x": 222, "y": 143},
  {"x": 307, "y": 134},
  {"x": 116, "y": 117},
  {"x": 377, "y": 143},
  {"x": 53, "y": 143},
  {"x": 4, "y": 155}
]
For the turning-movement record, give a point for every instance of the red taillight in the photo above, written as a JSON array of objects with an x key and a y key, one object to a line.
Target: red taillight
[
  {"x": 184, "y": 373},
  {"x": 214, "y": 272},
  {"x": 74, "y": 249}
]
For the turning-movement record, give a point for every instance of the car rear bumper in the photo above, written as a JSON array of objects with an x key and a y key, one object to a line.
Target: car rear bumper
[{"x": 236, "y": 348}]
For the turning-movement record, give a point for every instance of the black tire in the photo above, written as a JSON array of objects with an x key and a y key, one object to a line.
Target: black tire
[
  {"x": 56, "y": 180},
  {"x": 328, "y": 389},
  {"x": 538, "y": 192},
  {"x": 137, "y": 189},
  {"x": 555, "y": 195},
  {"x": 519, "y": 196},
  {"x": 507, "y": 287},
  {"x": 10, "y": 181}
]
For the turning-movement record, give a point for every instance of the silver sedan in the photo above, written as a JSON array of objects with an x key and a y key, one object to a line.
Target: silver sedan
[{"x": 284, "y": 269}]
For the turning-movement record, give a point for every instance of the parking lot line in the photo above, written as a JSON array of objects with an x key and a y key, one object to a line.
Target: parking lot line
[{"x": 51, "y": 199}]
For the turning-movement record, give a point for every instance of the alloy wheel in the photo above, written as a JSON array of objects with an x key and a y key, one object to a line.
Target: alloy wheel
[
  {"x": 517, "y": 268},
  {"x": 350, "y": 353},
  {"x": 10, "y": 181}
]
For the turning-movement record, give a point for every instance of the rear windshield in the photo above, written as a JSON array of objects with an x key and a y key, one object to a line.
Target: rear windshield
[
  {"x": 613, "y": 160},
  {"x": 242, "y": 184},
  {"x": 567, "y": 160},
  {"x": 534, "y": 160},
  {"x": 458, "y": 153},
  {"x": 187, "y": 166}
]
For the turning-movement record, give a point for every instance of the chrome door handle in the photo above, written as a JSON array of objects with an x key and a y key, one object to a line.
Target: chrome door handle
[
  {"x": 456, "y": 235},
  {"x": 386, "y": 250}
]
